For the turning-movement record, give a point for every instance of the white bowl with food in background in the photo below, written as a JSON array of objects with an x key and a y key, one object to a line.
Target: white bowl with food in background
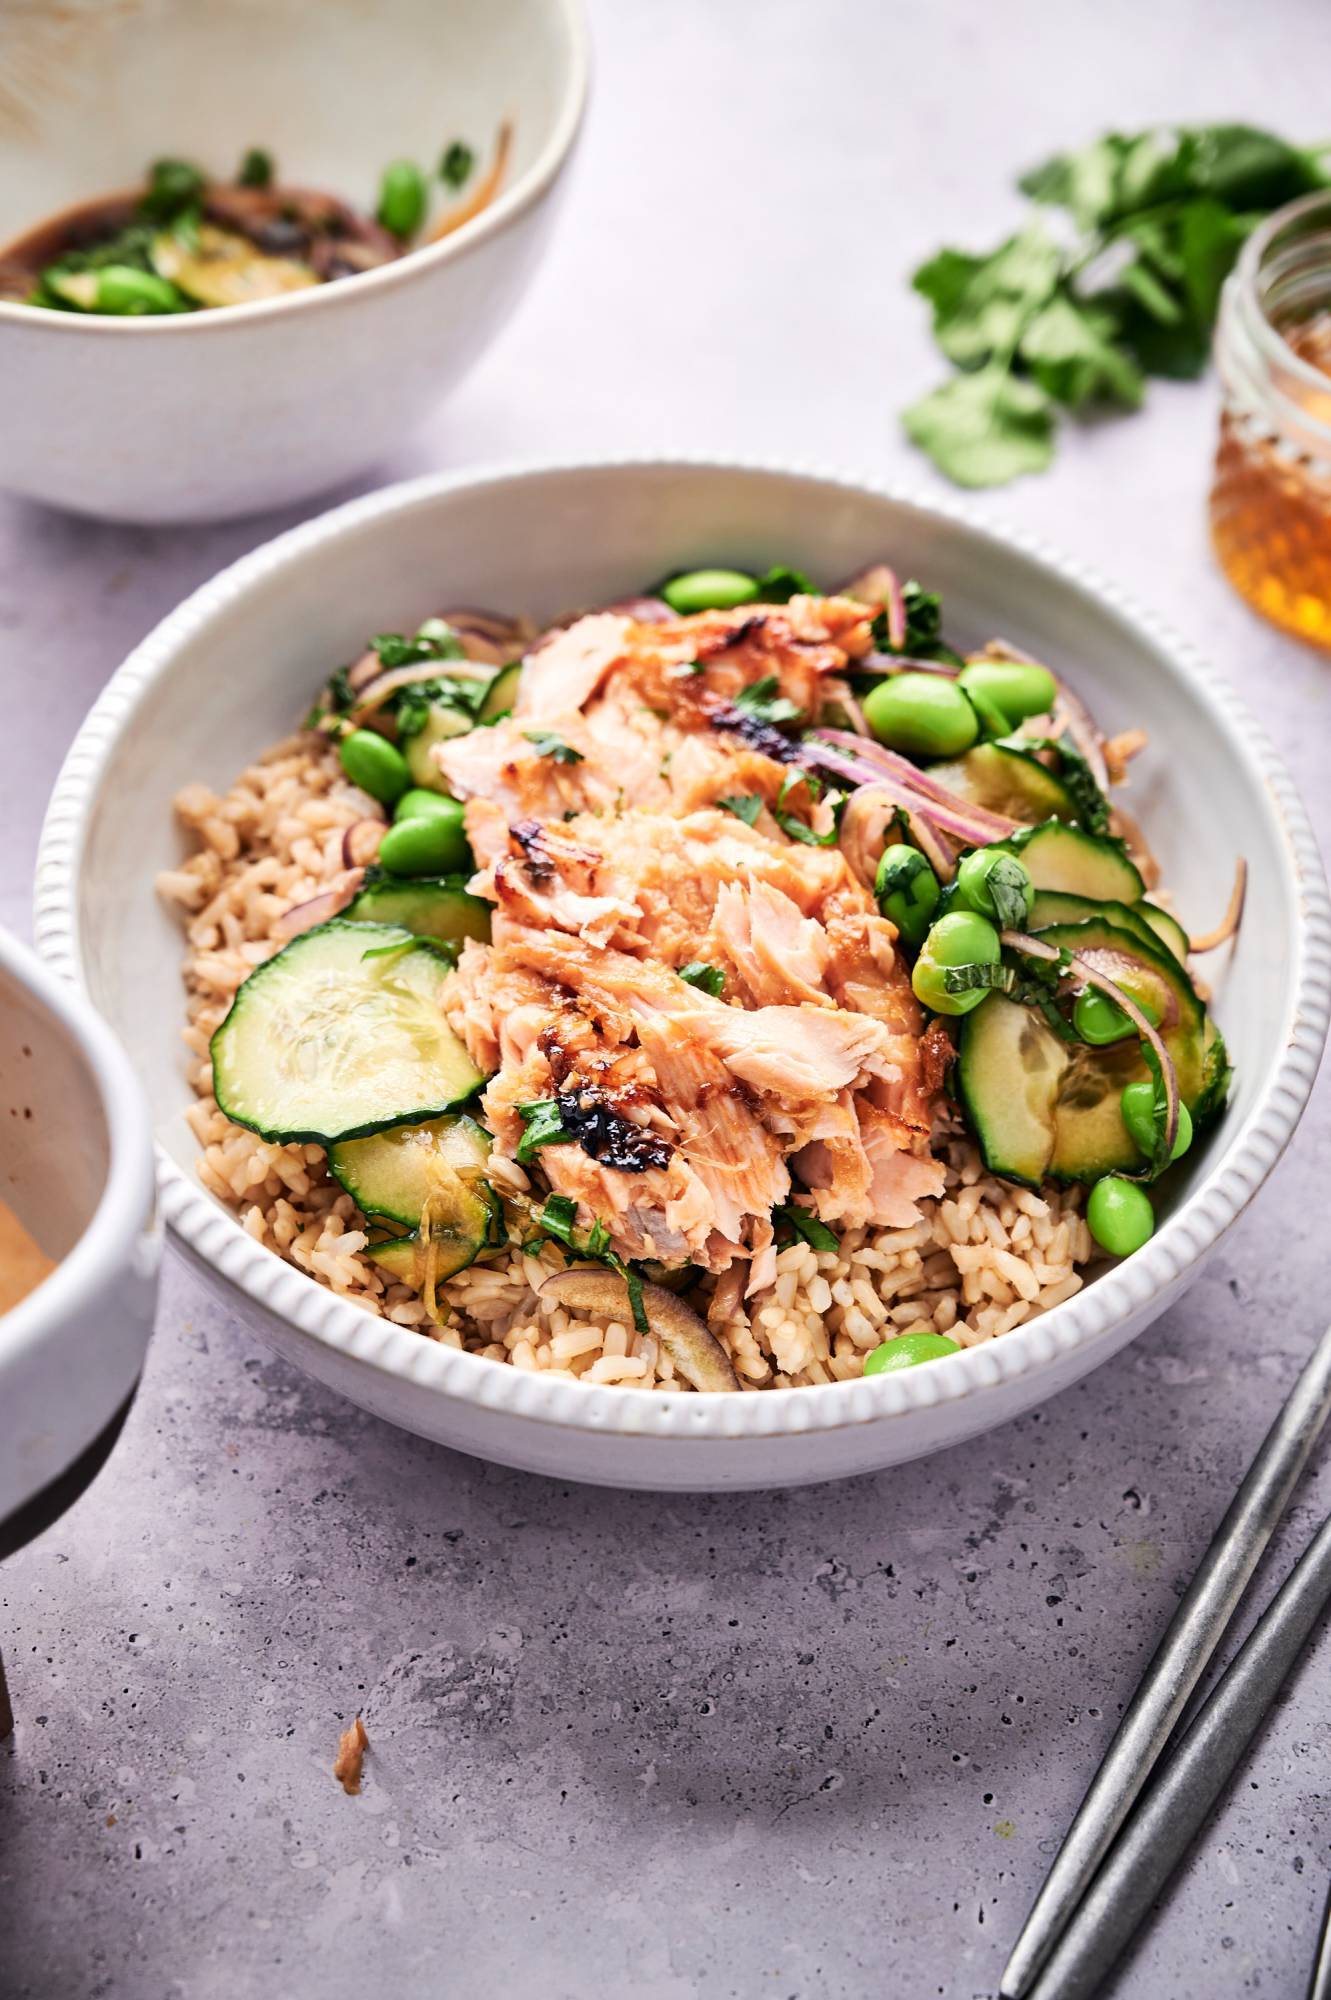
[
  {"x": 80, "y": 1242},
  {"x": 233, "y": 670},
  {"x": 206, "y": 414}
]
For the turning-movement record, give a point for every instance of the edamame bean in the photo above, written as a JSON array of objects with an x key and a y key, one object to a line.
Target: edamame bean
[
  {"x": 1138, "y": 1107},
  {"x": 1016, "y": 688},
  {"x": 709, "y": 590},
  {"x": 444, "y": 815},
  {"x": 907, "y": 1351},
  {"x": 428, "y": 844},
  {"x": 923, "y": 715},
  {"x": 959, "y": 938},
  {"x": 374, "y": 764},
  {"x": 1100, "y": 1020},
  {"x": 907, "y": 891},
  {"x": 127, "y": 291},
  {"x": 975, "y": 889},
  {"x": 1119, "y": 1216},
  {"x": 418, "y": 803},
  {"x": 402, "y": 199}
]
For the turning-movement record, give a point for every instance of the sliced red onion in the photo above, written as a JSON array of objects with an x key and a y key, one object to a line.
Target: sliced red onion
[
  {"x": 1084, "y": 731},
  {"x": 867, "y": 815},
  {"x": 1077, "y": 967},
  {"x": 302, "y": 917},
  {"x": 387, "y": 684},
  {"x": 489, "y": 639},
  {"x": 952, "y": 817},
  {"x": 893, "y": 765},
  {"x": 367, "y": 668},
  {"x": 360, "y": 842},
  {"x": 879, "y": 585},
  {"x": 1233, "y": 916},
  {"x": 645, "y": 610}
]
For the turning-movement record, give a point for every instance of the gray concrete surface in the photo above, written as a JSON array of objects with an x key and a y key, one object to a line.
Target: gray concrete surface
[{"x": 806, "y": 1744}]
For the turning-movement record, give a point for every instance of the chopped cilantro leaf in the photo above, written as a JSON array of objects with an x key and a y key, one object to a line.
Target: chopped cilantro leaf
[
  {"x": 544, "y": 1127},
  {"x": 558, "y": 1216},
  {"x": 806, "y": 1226},
  {"x": 708, "y": 978},
  {"x": 549, "y": 744},
  {"x": 762, "y": 701},
  {"x": 455, "y": 167},
  {"x": 744, "y": 805}
]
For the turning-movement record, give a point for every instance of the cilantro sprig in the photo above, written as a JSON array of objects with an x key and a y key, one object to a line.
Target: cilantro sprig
[{"x": 1125, "y": 285}]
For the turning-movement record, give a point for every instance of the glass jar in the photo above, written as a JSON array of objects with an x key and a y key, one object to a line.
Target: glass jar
[{"x": 1271, "y": 499}]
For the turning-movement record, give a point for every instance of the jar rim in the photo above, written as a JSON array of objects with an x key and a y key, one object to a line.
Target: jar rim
[{"x": 1271, "y": 343}]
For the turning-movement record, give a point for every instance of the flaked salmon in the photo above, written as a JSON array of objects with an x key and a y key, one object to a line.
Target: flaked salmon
[{"x": 630, "y": 823}]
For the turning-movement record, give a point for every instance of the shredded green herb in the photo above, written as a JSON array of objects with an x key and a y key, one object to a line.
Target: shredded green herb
[
  {"x": 764, "y": 702},
  {"x": 805, "y": 1225},
  {"x": 744, "y": 805},
  {"x": 708, "y": 978},
  {"x": 791, "y": 823},
  {"x": 256, "y": 169},
  {"x": 780, "y": 584},
  {"x": 544, "y": 1126},
  {"x": 549, "y": 744},
  {"x": 456, "y": 165}
]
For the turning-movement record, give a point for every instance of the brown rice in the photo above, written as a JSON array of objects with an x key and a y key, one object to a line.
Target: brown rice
[{"x": 985, "y": 1256}]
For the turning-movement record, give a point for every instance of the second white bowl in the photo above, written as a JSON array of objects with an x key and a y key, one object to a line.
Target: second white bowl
[{"x": 218, "y": 413}]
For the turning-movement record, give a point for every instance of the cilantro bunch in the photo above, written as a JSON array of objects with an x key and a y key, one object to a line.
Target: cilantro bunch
[{"x": 1119, "y": 280}]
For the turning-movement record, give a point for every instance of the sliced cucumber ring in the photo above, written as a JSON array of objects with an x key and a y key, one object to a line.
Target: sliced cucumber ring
[
  {"x": 501, "y": 693},
  {"x": 1008, "y": 781},
  {"x": 1168, "y": 929},
  {"x": 440, "y": 725},
  {"x": 394, "y": 1174},
  {"x": 1053, "y": 906},
  {"x": 433, "y": 906},
  {"x": 341, "y": 1034},
  {"x": 1077, "y": 863},
  {"x": 1043, "y": 1108}
]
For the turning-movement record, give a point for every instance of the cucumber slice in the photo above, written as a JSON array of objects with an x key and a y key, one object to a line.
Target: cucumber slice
[
  {"x": 1052, "y": 906},
  {"x": 405, "y": 1258},
  {"x": 1078, "y": 863},
  {"x": 340, "y": 1035},
  {"x": 73, "y": 288},
  {"x": 1008, "y": 781},
  {"x": 501, "y": 693},
  {"x": 441, "y": 723},
  {"x": 431, "y": 906},
  {"x": 1009, "y": 1071},
  {"x": 393, "y": 1173},
  {"x": 1217, "y": 1070},
  {"x": 1043, "y": 1108},
  {"x": 1168, "y": 929}
]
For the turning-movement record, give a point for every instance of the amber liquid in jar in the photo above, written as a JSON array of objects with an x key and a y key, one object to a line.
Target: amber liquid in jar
[{"x": 1271, "y": 507}]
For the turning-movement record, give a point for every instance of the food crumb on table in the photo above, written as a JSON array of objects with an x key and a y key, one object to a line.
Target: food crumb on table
[{"x": 350, "y": 1761}]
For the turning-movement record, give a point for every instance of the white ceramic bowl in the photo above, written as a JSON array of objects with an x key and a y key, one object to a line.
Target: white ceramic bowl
[
  {"x": 76, "y": 1167},
  {"x": 218, "y": 413},
  {"x": 228, "y": 672}
]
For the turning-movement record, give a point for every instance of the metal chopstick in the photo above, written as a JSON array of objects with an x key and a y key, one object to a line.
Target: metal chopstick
[
  {"x": 1193, "y": 1634},
  {"x": 1319, "y": 1985},
  {"x": 1159, "y": 1833}
]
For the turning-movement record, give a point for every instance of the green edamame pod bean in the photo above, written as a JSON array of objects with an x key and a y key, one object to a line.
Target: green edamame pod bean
[
  {"x": 402, "y": 199},
  {"x": 429, "y": 844},
  {"x": 908, "y": 1350},
  {"x": 375, "y": 764},
  {"x": 418, "y": 803},
  {"x": 128, "y": 292},
  {"x": 976, "y": 885},
  {"x": 1119, "y": 1216},
  {"x": 1138, "y": 1107},
  {"x": 959, "y": 938},
  {"x": 1100, "y": 1020},
  {"x": 709, "y": 590},
  {"x": 922, "y": 715},
  {"x": 1017, "y": 688},
  {"x": 907, "y": 891}
]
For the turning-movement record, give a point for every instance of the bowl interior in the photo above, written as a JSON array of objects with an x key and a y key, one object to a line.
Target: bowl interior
[
  {"x": 243, "y": 666},
  {"x": 55, "y": 1152},
  {"x": 92, "y": 94}
]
